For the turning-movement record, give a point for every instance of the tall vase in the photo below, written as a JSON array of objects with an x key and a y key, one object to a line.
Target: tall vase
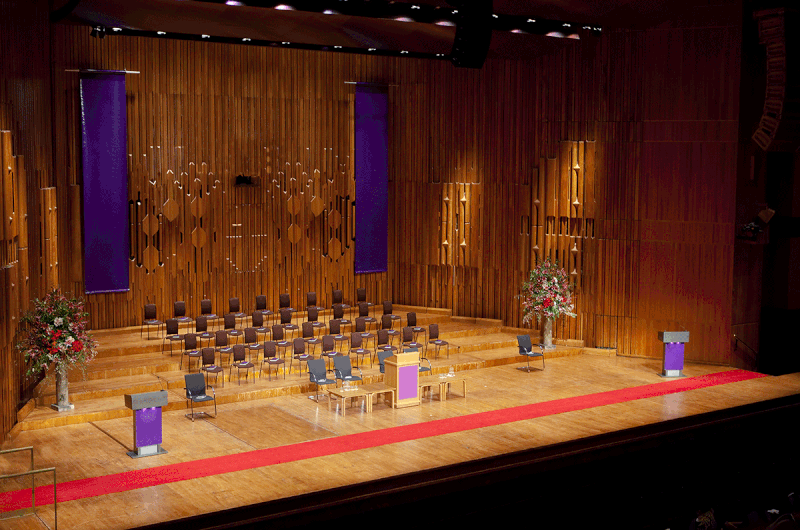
[
  {"x": 62, "y": 390},
  {"x": 547, "y": 333}
]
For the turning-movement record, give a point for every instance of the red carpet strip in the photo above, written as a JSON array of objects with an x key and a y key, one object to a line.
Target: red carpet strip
[{"x": 143, "y": 478}]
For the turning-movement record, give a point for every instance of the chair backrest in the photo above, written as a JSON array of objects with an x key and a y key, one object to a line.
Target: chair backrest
[
  {"x": 383, "y": 336},
  {"x": 361, "y": 294},
  {"x": 386, "y": 321},
  {"x": 233, "y": 305},
  {"x": 258, "y": 319},
  {"x": 261, "y": 302},
  {"x": 284, "y": 300},
  {"x": 343, "y": 366},
  {"x": 524, "y": 343},
  {"x": 220, "y": 338},
  {"x": 335, "y": 326},
  {"x": 172, "y": 326},
  {"x": 338, "y": 297},
  {"x": 308, "y": 330},
  {"x": 230, "y": 321},
  {"x": 299, "y": 346},
  {"x": 250, "y": 336},
  {"x": 195, "y": 384},
  {"x": 311, "y": 299},
  {"x": 433, "y": 332},
  {"x": 317, "y": 370},
  {"x": 277, "y": 332},
  {"x": 190, "y": 341},
  {"x": 270, "y": 349},
  {"x": 201, "y": 324},
  {"x": 361, "y": 325},
  {"x": 328, "y": 344},
  {"x": 408, "y": 334},
  {"x": 208, "y": 356},
  {"x": 338, "y": 311},
  {"x": 313, "y": 314},
  {"x": 355, "y": 340},
  {"x": 150, "y": 311},
  {"x": 239, "y": 353},
  {"x": 411, "y": 318},
  {"x": 382, "y": 356},
  {"x": 179, "y": 309},
  {"x": 363, "y": 309},
  {"x": 387, "y": 307},
  {"x": 286, "y": 316},
  {"x": 205, "y": 307}
]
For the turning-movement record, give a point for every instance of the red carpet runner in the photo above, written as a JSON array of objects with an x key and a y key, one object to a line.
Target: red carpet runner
[{"x": 131, "y": 480}]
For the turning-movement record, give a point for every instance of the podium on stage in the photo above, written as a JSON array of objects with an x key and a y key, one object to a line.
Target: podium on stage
[
  {"x": 402, "y": 374},
  {"x": 672, "y": 360},
  {"x": 146, "y": 422}
]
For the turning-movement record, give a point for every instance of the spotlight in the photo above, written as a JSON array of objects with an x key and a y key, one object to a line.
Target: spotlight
[{"x": 98, "y": 32}]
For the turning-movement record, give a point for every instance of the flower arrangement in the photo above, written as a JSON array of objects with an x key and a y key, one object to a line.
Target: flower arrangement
[
  {"x": 57, "y": 334},
  {"x": 546, "y": 293}
]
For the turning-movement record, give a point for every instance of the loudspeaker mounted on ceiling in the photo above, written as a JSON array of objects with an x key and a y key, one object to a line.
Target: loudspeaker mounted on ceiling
[{"x": 473, "y": 32}]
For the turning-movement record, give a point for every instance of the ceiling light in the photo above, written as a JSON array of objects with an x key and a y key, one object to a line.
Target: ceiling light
[
  {"x": 531, "y": 20},
  {"x": 372, "y": 49},
  {"x": 206, "y": 36},
  {"x": 404, "y": 19},
  {"x": 445, "y": 23},
  {"x": 245, "y": 39},
  {"x": 286, "y": 43},
  {"x": 403, "y": 51},
  {"x": 337, "y": 47},
  {"x": 329, "y": 12},
  {"x": 284, "y": 7},
  {"x": 161, "y": 32},
  {"x": 98, "y": 32},
  {"x": 117, "y": 29},
  {"x": 233, "y": 3}
]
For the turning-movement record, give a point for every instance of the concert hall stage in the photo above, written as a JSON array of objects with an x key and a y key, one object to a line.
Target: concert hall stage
[{"x": 550, "y": 446}]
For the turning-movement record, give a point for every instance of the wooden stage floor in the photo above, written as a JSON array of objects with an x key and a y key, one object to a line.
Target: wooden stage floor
[{"x": 97, "y": 448}]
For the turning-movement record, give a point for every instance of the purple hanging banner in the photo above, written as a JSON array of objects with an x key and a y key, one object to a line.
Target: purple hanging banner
[
  {"x": 105, "y": 182},
  {"x": 372, "y": 179}
]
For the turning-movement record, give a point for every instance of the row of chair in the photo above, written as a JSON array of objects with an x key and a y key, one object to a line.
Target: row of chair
[{"x": 151, "y": 319}]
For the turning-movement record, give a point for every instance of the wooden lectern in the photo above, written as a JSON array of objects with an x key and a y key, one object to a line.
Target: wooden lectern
[{"x": 402, "y": 374}]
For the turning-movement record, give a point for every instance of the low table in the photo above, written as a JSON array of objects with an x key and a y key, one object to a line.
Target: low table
[
  {"x": 443, "y": 383},
  {"x": 356, "y": 392},
  {"x": 375, "y": 389}
]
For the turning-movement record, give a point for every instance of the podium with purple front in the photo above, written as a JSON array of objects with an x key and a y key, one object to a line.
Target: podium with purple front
[
  {"x": 672, "y": 361},
  {"x": 402, "y": 374},
  {"x": 146, "y": 422}
]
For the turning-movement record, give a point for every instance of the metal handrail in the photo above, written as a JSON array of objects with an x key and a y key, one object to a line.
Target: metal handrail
[{"x": 32, "y": 472}]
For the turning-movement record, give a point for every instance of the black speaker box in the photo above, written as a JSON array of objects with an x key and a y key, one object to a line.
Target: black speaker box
[{"x": 473, "y": 33}]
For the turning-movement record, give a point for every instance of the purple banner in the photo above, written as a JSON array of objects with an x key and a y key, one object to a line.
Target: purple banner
[
  {"x": 372, "y": 179},
  {"x": 105, "y": 182}
]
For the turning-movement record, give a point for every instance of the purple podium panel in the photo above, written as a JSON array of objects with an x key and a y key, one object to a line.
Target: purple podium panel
[
  {"x": 673, "y": 356},
  {"x": 147, "y": 427},
  {"x": 408, "y": 384}
]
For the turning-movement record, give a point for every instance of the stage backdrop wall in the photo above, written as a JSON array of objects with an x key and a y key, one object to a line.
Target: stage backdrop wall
[{"x": 614, "y": 155}]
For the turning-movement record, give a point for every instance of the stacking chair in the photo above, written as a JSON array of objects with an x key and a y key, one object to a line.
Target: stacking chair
[
  {"x": 424, "y": 370},
  {"x": 361, "y": 296},
  {"x": 272, "y": 359},
  {"x": 279, "y": 338},
  {"x": 196, "y": 393},
  {"x": 179, "y": 312},
  {"x": 258, "y": 323},
  {"x": 384, "y": 342},
  {"x": 206, "y": 311},
  {"x": 433, "y": 338},
  {"x": 337, "y": 298},
  {"x": 382, "y": 355},
  {"x": 230, "y": 326},
  {"x": 172, "y": 335},
  {"x": 286, "y": 320},
  {"x": 412, "y": 323},
  {"x": 408, "y": 340},
  {"x": 261, "y": 306},
  {"x": 334, "y": 326},
  {"x": 285, "y": 302},
  {"x": 329, "y": 350},
  {"x": 251, "y": 342},
  {"x": 235, "y": 309},
  {"x": 318, "y": 375},
  {"x": 363, "y": 312},
  {"x": 299, "y": 353},
  {"x": 387, "y": 324},
  {"x": 361, "y": 327},
  {"x": 201, "y": 329},
  {"x": 338, "y": 313},
  {"x": 190, "y": 350},
  {"x": 343, "y": 370},
  {"x": 356, "y": 346},
  {"x": 311, "y": 302},
  {"x": 526, "y": 349},
  {"x": 150, "y": 320},
  {"x": 387, "y": 311},
  {"x": 221, "y": 343},
  {"x": 209, "y": 366},
  {"x": 241, "y": 363},
  {"x": 313, "y": 317},
  {"x": 309, "y": 337}
]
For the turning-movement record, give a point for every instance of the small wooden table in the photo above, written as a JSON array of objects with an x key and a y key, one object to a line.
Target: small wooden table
[
  {"x": 376, "y": 389},
  {"x": 356, "y": 392},
  {"x": 443, "y": 383}
]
